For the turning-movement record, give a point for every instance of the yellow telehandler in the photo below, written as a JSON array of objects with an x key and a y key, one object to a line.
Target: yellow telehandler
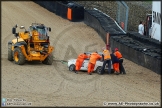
[{"x": 31, "y": 45}]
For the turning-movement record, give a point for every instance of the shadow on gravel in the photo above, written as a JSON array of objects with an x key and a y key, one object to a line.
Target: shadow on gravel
[{"x": 33, "y": 63}]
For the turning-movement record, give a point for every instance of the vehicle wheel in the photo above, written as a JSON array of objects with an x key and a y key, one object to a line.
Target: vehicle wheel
[
  {"x": 98, "y": 70},
  {"x": 48, "y": 60},
  {"x": 18, "y": 56},
  {"x": 10, "y": 57},
  {"x": 72, "y": 67}
]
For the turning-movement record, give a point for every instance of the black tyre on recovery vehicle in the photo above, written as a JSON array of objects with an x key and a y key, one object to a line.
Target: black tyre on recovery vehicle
[
  {"x": 18, "y": 56},
  {"x": 48, "y": 60},
  {"x": 10, "y": 56}
]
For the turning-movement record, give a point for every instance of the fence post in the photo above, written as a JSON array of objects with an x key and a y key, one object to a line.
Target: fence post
[
  {"x": 108, "y": 41},
  {"x": 118, "y": 12}
]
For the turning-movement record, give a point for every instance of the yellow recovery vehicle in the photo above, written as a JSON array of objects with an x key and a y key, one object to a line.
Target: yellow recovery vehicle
[{"x": 31, "y": 45}]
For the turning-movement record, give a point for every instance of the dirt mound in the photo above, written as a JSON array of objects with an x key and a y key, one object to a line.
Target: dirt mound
[{"x": 54, "y": 85}]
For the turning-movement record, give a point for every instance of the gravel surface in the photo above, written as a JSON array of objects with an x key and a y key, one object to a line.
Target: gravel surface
[{"x": 54, "y": 85}]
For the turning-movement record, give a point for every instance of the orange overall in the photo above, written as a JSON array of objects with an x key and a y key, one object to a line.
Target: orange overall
[
  {"x": 120, "y": 57},
  {"x": 116, "y": 67},
  {"x": 118, "y": 54},
  {"x": 79, "y": 61},
  {"x": 93, "y": 58}
]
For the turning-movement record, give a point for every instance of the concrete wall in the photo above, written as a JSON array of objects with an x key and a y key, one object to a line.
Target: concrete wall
[{"x": 137, "y": 10}]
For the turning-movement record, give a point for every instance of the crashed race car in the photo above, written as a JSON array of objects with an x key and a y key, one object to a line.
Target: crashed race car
[{"x": 97, "y": 68}]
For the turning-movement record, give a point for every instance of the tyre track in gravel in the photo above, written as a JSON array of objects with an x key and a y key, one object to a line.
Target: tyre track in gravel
[{"x": 19, "y": 69}]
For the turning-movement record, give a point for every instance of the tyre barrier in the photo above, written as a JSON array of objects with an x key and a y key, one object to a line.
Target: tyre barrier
[
  {"x": 146, "y": 56},
  {"x": 145, "y": 39},
  {"x": 94, "y": 23},
  {"x": 101, "y": 23}
]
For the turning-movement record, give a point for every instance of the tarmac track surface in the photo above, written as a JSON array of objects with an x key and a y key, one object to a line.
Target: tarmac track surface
[{"x": 54, "y": 85}]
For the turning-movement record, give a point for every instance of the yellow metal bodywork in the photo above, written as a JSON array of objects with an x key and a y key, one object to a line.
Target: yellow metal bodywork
[
  {"x": 16, "y": 56},
  {"x": 17, "y": 40},
  {"x": 32, "y": 53},
  {"x": 23, "y": 35}
]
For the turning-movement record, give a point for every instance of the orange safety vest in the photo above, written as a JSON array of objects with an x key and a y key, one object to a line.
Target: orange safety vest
[
  {"x": 118, "y": 54},
  {"x": 94, "y": 57},
  {"x": 106, "y": 54}
]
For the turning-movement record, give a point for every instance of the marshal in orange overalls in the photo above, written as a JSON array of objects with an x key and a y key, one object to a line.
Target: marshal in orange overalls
[
  {"x": 119, "y": 56},
  {"x": 80, "y": 60},
  {"x": 93, "y": 58}
]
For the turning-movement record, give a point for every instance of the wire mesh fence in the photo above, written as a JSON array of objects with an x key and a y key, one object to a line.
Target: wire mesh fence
[
  {"x": 137, "y": 10},
  {"x": 122, "y": 14}
]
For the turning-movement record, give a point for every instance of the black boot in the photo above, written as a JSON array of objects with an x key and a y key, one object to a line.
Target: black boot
[
  {"x": 89, "y": 73},
  {"x": 76, "y": 72}
]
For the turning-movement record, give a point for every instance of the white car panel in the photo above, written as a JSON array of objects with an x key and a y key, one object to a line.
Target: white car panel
[{"x": 85, "y": 64}]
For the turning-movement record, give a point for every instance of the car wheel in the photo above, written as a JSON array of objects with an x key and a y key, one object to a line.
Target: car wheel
[
  {"x": 98, "y": 70},
  {"x": 72, "y": 67}
]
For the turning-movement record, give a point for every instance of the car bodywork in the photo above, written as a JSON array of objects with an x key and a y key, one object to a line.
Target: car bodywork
[{"x": 97, "y": 68}]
